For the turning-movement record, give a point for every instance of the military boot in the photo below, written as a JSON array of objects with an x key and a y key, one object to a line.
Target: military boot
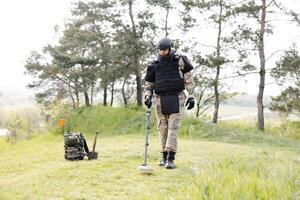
[
  {"x": 163, "y": 160},
  {"x": 170, "y": 160}
]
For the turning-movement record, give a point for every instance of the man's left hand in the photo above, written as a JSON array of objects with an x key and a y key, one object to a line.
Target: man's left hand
[{"x": 190, "y": 103}]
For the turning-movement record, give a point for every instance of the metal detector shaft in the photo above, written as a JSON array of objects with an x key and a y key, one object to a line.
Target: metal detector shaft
[{"x": 148, "y": 112}]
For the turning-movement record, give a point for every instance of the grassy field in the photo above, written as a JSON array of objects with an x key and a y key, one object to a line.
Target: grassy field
[
  {"x": 36, "y": 169},
  {"x": 230, "y": 160}
]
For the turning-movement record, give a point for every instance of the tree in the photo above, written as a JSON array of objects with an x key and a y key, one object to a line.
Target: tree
[
  {"x": 287, "y": 73},
  {"x": 47, "y": 77},
  {"x": 202, "y": 80},
  {"x": 166, "y": 5},
  {"x": 219, "y": 14},
  {"x": 81, "y": 57},
  {"x": 100, "y": 19},
  {"x": 287, "y": 69},
  {"x": 261, "y": 13},
  {"x": 204, "y": 94},
  {"x": 136, "y": 37},
  {"x": 68, "y": 69},
  {"x": 287, "y": 101},
  {"x": 75, "y": 56}
]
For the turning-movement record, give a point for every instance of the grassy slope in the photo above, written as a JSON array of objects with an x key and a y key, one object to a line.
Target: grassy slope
[
  {"x": 227, "y": 161},
  {"x": 36, "y": 169},
  {"x": 120, "y": 121}
]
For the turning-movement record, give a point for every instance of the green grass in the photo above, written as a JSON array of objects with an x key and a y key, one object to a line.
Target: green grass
[
  {"x": 123, "y": 121},
  {"x": 236, "y": 132},
  {"x": 36, "y": 169},
  {"x": 107, "y": 120},
  {"x": 230, "y": 160}
]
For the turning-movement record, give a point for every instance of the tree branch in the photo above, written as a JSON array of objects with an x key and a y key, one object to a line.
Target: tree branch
[
  {"x": 205, "y": 109},
  {"x": 239, "y": 75},
  {"x": 270, "y": 3},
  {"x": 274, "y": 54},
  {"x": 277, "y": 5},
  {"x": 206, "y": 45}
]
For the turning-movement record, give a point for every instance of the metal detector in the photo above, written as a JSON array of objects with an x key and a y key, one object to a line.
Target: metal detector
[{"x": 144, "y": 168}]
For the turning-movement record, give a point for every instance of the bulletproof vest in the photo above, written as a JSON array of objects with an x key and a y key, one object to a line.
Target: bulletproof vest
[
  {"x": 75, "y": 146},
  {"x": 167, "y": 77}
]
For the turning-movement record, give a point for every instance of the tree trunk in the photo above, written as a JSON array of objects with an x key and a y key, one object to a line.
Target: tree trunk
[
  {"x": 72, "y": 97},
  {"x": 259, "y": 101},
  {"x": 217, "y": 98},
  {"x": 216, "y": 81},
  {"x": 166, "y": 21},
  {"x": 105, "y": 95},
  {"x": 112, "y": 93},
  {"x": 138, "y": 78},
  {"x": 86, "y": 98},
  {"x": 73, "y": 100},
  {"x": 92, "y": 94},
  {"x": 138, "y": 81},
  {"x": 123, "y": 92},
  {"x": 77, "y": 98},
  {"x": 199, "y": 103}
]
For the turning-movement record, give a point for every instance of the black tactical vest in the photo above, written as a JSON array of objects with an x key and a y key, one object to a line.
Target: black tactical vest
[{"x": 167, "y": 77}]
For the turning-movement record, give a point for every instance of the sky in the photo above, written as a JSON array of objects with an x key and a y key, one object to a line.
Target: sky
[
  {"x": 26, "y": 26},
  {"x": 29, "y": 25},
  {"x": 285, "y": 34}
]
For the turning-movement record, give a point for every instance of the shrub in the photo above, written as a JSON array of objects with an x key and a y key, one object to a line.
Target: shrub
[{"x": 23, "y": 124}]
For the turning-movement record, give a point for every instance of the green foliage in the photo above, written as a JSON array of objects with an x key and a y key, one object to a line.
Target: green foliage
[
  {"x": 287, "y": 72},
  {"x": 287, "y": 101},
  {"x": 167, "y": 5},
  {"x": 107, "y": 120},
  {"x": 22, "y": 124},
  {"x": 17, "y": 128},
  {"x": 251, "y": 9},
  {"x": 288, "y": 67},
  {"x": 98, "y": 48},
  {"x": 162, "y": 3},
  {"x": 131, "y": 120}
]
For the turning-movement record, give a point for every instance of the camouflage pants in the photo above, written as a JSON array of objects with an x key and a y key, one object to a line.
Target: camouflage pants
[{"x": 168, "y": 125}]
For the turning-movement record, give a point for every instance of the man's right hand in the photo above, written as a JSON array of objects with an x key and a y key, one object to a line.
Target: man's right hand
[{"x": 148, "y": 101}]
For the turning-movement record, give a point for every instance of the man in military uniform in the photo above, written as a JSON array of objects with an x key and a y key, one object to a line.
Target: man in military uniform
[{"x": 165, "y": 81}]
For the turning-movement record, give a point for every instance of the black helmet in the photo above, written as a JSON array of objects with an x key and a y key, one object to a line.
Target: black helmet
[{"x": 164, "y": 43}]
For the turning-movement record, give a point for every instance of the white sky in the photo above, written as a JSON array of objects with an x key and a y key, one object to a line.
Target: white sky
[
  {"x": 28, "y": 25},
  {"x": 285, "y": 34}
]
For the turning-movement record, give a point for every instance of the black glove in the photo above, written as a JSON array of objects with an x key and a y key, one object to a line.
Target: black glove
[
  {"x": 190, "y": 103},
  {"x": 148, "y": 101}
]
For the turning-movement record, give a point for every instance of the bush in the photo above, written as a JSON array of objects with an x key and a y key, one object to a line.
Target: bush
[
  {"x": 23, "y": 124},
  {"x": 287, "y": 128}
]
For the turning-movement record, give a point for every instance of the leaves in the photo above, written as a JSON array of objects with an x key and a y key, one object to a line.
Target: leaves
[
  {"x": 288, "y": 67},
  {"x": 250, "y": 9},
  {"x": 287, "y": 101},
  {"x": 287, "y": 71}
]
